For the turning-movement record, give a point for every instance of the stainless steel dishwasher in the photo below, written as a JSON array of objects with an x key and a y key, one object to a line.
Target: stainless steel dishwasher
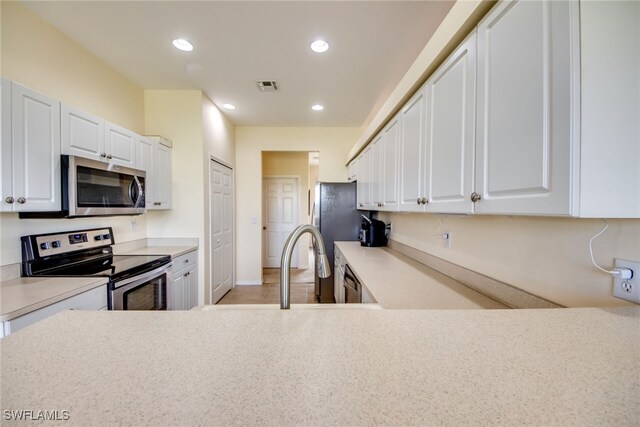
[{"x": 352, "y": 286}]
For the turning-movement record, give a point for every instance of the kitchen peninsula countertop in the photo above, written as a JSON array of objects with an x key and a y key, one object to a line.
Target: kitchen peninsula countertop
[
  {"x": 22, "y": 295},
  {"x": 329, "y": 367},
  {"x": 174, "y": 247},
  {"x": 398, "y": 282}
]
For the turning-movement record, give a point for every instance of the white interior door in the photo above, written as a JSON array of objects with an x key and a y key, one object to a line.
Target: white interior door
[
  {"x": 221, "y": 209},
  {"x": 280, "y": 218}
]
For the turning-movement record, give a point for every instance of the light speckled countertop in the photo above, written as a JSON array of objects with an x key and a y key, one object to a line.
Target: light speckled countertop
[
  {"x": 398, "y": 282},
  {"x": 174, "y": 251},
  {"x": 329, "y": 367},
  {"x": 26, "y": 294}
]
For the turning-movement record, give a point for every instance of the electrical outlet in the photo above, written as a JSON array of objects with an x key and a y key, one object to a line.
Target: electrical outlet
[
  {"x": 446, "y": 239},
  {"x": 627, "y": 289}
]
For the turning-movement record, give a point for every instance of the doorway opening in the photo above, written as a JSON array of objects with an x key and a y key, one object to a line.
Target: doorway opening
[{"x": 288, "y": 195}]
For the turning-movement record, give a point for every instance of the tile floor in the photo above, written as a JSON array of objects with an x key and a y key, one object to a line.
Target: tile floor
[{"x": 302, "y": 289}]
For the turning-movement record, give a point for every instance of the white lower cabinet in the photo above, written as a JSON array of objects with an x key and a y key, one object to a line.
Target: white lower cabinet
[
  {"x": 94, "y": 299},
  {"x": 184, "y": 286},
  {"x": 338, "y": 276}
]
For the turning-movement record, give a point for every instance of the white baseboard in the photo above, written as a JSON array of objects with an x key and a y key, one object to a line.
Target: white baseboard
[{"x": 248, "y": 282}]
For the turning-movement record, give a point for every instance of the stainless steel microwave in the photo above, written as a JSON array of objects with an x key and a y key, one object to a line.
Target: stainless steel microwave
[{"x": 94, "y": 188}]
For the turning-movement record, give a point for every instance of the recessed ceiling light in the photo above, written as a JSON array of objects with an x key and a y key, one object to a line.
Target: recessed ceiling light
[
  {"x": 319, "y": 46},
  {"x": 317, "y": 107},
  {"x": 182, "y": 44},
  {"x": 229, "y": 106}
]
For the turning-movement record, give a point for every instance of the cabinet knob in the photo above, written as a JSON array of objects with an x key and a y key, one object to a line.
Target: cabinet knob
[
  {"x": 109, "y": 156},
  {"x": 186, "y": 261},
  {"x": 103, "y": 155},
  {"x": 22, "y": 200},
  {"x": 264, "y": 227},
  {"x": 9, "y": 200},
  {"x": 424, "y": 200},
  {"x": 475, "y": 197}
]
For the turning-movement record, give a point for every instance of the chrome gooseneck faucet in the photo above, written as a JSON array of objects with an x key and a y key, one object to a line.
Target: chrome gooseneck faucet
[{"x": 322, "y": 262}]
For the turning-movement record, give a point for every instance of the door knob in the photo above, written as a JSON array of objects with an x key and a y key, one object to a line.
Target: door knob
[
  {"x": 264, "y": 227},
  {"x": 9, "y": 200}
]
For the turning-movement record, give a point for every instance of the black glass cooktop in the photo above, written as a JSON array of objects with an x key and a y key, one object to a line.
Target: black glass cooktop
[{"x": 113, "y": 266}]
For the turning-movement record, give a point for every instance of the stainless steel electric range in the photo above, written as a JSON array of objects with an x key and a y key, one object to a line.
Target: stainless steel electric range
[{"x": 136, "y": 282}]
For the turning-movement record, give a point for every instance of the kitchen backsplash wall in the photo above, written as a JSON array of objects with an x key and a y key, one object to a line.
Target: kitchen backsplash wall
[
  {"x": 548, "y": 257},
  {"x": 125, "y": 228}
]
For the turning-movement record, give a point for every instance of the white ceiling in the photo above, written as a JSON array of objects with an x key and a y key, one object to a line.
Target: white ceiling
[{"x": 373, "y": 43}]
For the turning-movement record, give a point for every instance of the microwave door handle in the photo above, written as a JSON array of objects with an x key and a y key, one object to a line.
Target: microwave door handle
[{"x": 140, "y": 191}]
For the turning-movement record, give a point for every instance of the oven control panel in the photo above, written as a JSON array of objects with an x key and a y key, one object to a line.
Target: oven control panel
[{"x": 54, "y": 244}]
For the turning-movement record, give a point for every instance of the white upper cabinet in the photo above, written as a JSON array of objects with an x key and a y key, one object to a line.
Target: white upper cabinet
[
  {"x": 154, "y": 157},
  {"x": 389, "y": 166},
  {"x": 375, "y": 172},
  {"x": 164, "y": 175},
  {"x": 524, "y": 115},
  {"x": 451, "y": 138},
  {"x": 364, "y": 180},
  {"x": 610, "y": 109},
  {"x": 82, "y": 134},
  {"x": 30, "y": 150},
  {"x": 413, "y": 154},
  {"x": 352, "y": 171},
  {"x": 89, "y": 136},
  {"x": 120, "y": 145}
]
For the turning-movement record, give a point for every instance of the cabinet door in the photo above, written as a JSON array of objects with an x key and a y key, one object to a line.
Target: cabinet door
[
  {"x": 120, "y": 145},
  {"x": 7, "y": 202},
  {"x": 35, "y": 151},
  {"x": 146, "y": 161},
  {"x": 82, "y": 134},
  {"x": 389, "y": 166},
  {"x": 191, "y": 288},
  {"x": 451, "y": 137},
  {"x": 163, "y": 177},
  {"x": 352, "y": 174},
  {"x": 375, "y": 172},
  {"x": 177, "y": 290},
  {"x": 413, "y": 154},
  {"x": 364, "y": 180},
  {"x": 523, "y": 156}
]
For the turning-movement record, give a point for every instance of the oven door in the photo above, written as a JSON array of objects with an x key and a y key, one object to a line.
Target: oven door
[
  {"x": 352, "y": 287},
  {"x": 147, "y": 291},
  {"x": 99, "y": 188}
]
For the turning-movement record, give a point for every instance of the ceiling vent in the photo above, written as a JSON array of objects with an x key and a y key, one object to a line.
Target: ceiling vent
[{"x": 267, "y": 85}]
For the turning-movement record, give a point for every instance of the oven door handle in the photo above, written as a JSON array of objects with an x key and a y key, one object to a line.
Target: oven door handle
[{"x": 141, "y": 277}]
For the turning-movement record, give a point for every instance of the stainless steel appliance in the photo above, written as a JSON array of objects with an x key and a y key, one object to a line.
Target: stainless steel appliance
[
  {"x": 335, "y": 215},
  {"x": 352, "y": 286},
  {"x": 94, "y": 188},
  {"x": 136, "y": 282}
]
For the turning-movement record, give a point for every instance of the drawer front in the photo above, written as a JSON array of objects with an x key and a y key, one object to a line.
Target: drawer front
[
  {"x": 184, "y": 261},
  {"x": 94, "y": 299}
]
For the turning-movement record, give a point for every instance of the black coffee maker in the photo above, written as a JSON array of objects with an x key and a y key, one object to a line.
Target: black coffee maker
[{"x": 373, "y": 232}]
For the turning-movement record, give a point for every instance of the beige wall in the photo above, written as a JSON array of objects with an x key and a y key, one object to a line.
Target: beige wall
[
  {"x": 177, "y": 115},
  {"x": 333, "y": 145},
  {"x": 37, "y": 55},
  {"x": 292, "y": 164},
  {"x": 219, "y": 136},
  {"x": 548, "y": 257}
]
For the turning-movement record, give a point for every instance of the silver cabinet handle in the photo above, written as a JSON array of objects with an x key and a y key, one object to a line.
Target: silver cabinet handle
[
  {"x": 22, "y": 200},
  {"x": 424, "y": 200},
  {"x": 109, "y": 156},
  {"x": 475, "y": 197},
  {"x": 9, "y": 200},
  {"x": 103, "y": 155},
  {"x": 419, "y": 200}
]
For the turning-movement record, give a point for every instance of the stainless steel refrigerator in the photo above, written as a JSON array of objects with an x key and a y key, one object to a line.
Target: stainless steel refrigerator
[{"x": 335, "y": 215}]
